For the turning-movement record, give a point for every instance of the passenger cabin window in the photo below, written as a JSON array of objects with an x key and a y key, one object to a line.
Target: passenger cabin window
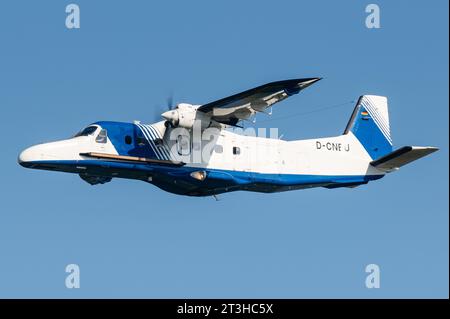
[
  {"x": 183, "y": 145},
  {"x": 236, "y": 150},
  {"x": 128, "y": 140},
  {"x": 87, "y": 131},
  {"x": 102, "y": 137}
]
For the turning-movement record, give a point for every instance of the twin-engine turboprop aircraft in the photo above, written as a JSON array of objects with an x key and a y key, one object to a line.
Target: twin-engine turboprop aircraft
[{"x": 195, "y": 152}]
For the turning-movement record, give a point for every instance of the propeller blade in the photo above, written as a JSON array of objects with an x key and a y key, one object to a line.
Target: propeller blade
[{"x": 169, "y": 102}]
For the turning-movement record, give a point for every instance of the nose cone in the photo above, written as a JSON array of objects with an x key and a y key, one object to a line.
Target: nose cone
[
  {"x": 29, "y": 155},
  {"x": 54, "y": 151},
  {"x": 171, "y": 116}
]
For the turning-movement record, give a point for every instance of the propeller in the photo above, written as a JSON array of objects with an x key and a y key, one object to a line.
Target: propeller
[
  {"x": 160, "y": 109},
  {"x": 171, "y": 116},
  {"x": 170, "y": 105}
]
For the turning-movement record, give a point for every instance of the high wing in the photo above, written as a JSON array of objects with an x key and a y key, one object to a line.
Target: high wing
[{"x": 241, "y": 106}]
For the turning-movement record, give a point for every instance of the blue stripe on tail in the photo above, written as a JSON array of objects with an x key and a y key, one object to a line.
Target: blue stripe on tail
[{"x": 370, "y": 128}]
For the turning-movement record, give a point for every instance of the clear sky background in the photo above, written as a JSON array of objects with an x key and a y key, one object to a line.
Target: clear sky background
[{"x": 131, "y": 239}]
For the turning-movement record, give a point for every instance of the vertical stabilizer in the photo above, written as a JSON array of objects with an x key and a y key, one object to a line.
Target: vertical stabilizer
[{"x": 370, "y": 124}]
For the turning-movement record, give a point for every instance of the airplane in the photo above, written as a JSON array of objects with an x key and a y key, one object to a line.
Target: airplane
[{"x": 175, "y": 155}]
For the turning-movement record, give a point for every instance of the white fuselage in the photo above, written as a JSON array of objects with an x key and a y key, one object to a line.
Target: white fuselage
[{"x": 341, "y": 155}]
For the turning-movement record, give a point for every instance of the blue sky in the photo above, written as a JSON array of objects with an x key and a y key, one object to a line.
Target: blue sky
[{"x": 131, "y": 239}]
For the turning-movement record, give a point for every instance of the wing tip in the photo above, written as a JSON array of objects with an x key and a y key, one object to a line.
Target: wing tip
[{"x": 304, "y": 83}]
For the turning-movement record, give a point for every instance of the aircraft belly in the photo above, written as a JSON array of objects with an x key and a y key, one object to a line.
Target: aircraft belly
[{"x": 178, "y": 180}]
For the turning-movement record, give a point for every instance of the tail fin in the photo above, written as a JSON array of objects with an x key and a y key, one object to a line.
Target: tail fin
[{"x": 370, "y": 124}]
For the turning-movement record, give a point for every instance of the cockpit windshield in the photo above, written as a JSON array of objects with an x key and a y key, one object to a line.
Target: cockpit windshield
[{"x": 87, "y": 131}]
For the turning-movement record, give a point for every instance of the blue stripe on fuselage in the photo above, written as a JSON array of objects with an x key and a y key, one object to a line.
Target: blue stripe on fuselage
[
  {"x": 178, "y": 179},
  {"x": 140, "y": 145}
]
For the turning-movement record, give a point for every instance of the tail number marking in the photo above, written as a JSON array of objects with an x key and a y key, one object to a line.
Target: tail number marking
[{"x": 332, "y": 146}]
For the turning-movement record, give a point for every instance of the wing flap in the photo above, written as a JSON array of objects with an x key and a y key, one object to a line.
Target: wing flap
[{"x": 402, "y": 156}]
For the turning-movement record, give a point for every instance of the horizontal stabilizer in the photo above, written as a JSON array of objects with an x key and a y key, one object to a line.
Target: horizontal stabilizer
[{"x": 402, "y": 156}]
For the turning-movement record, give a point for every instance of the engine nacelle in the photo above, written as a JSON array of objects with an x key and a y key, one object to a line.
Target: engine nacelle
[{"x": 185, "y": 116}]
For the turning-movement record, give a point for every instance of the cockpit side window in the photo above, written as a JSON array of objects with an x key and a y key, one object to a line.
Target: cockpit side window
[
  {"x": 87, "y": 131},
  {"x": 102, "y": 137}
]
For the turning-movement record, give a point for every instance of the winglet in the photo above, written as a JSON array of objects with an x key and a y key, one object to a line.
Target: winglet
[{"x": 396, "y": 159}]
